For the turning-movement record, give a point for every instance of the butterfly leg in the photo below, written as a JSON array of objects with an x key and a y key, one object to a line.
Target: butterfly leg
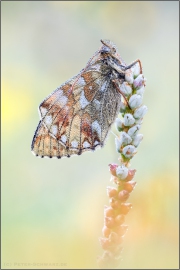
[
  {"x": 119, "y": 90},
  {"x": 133, "y": 63}
]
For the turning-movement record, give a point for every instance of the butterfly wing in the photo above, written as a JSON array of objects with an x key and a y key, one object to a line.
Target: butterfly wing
[{"x": 77, "y": 116}]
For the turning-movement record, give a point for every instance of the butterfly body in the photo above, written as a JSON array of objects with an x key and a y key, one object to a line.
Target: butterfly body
[{"x": 77, "y": 116}]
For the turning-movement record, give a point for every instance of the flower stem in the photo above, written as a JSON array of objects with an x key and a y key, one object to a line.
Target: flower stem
[{"x": 127, "y": 141}]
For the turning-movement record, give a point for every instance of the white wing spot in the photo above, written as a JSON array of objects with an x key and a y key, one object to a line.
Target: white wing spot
[
  {"x": 62, "y": 101},
  {"x": 96, "y": 127},
  {"x": 43, "y": 111},
  {"x": 60, "y": 93},
  {"x": 97, "y": 67},
  {"x": 96, "y": 103},
  {"x": 64, "y": 138},
  {"x": 54, "y": 130},
  {"x": 86, "y": 144},
  {"x": 83, "y": 100},
  {"x": 74, "y": 144},
  {"x": 81, "y": 82},
  {"x": 95, "y": 143},
  {"x": 48, "y": 120},
  {"x": 103, "y": 87}
]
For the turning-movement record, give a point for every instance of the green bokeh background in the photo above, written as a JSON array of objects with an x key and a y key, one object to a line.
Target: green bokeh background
[{"x": 52, "y": 210}]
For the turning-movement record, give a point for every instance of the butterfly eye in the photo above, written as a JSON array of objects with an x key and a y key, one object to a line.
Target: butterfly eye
[{"x": 104, "y": 50}]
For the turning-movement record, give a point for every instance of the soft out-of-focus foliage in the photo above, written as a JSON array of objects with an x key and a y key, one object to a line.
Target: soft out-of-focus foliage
[{"x": 52, "y": 210}]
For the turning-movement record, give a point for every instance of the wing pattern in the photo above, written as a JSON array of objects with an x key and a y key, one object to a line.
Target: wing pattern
[{"x": 77, "y": 116}]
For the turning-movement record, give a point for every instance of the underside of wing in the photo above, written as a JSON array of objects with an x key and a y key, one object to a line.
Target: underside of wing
[{"x": 77, "y": 116}]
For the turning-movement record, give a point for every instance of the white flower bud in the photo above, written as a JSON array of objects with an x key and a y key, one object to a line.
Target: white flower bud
[
  {"x": 137, "y": 139},
  {"x": 121, "y": 172},
  {"x": 135, "y": 101},
  {"x": 140, "y": 112},
  {"x": 128, "y": 119},
  {"x": 140, "y": 91},
  {"x": 129, "y": 151},
  {"x": 125, "y": 138},
  {"x": 136, "y": 69},
  {"x": 126, "y": 89},
  {"x": 133, "y": 131},
  {"x": 139, "y": 81},
  {"x": 118, "y": 144},
  {"x": 129, "y": 76},
  {"x": 119, "y": 124}
]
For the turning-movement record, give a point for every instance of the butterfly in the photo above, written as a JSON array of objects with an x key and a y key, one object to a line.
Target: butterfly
[{"x": 78, "y": 115}]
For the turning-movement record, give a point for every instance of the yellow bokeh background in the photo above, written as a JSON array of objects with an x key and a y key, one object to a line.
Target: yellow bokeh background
[{"x": 52, "y": 210}]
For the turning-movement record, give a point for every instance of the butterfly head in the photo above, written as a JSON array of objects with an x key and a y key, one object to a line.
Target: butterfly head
[
  {"x": 108, "y": 47},
  {"x": 110, "y": 56}
]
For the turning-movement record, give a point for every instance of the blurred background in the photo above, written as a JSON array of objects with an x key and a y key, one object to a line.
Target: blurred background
[{"x": 52, "y": 210}]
